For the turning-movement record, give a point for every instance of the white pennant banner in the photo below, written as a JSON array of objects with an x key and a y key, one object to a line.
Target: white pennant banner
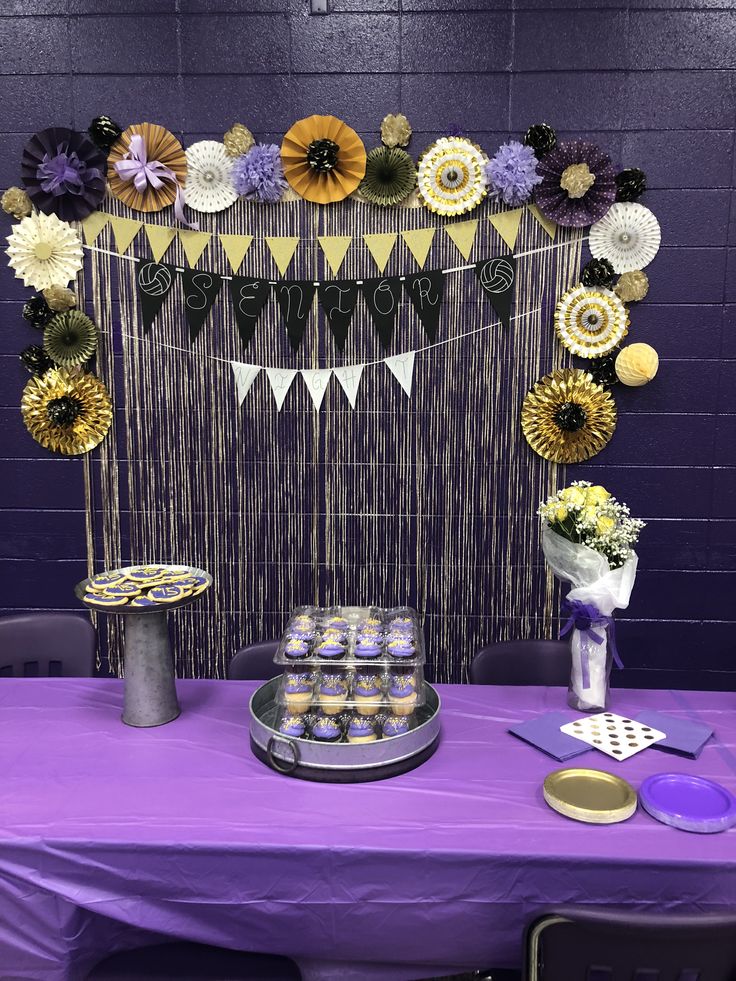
[
  {"x": 316, "y": 380},
  {"x": 281, "y": 379},
  {"x": 349, "y": 377},
  {"x": 245, "y": 375},
  {"x": 402, "y": 368}
]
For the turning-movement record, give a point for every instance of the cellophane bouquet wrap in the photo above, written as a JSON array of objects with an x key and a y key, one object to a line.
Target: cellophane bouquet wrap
[{"x": 588, "y": 539}]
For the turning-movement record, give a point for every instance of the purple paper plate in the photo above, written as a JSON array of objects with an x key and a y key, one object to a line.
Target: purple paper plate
[{"x": 689, "y": 803}]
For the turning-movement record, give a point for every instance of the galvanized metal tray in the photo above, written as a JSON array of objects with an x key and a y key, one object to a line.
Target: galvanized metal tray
[{"x": 309, "y": 759}]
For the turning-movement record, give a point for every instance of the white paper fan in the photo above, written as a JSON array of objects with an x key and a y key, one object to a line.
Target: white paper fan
[
  {"x": 590, "y": 322},
  {"x": 44, "y": 251},
  {"x": 451, "y": 176},
  {"x": 628, "y": 235},
  {"x": 208, "y": 185}
]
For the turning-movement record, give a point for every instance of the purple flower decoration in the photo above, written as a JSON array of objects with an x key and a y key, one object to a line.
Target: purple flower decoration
[
  {"x": 258, "y": 175},
  {"x": 64, "y": 173},
  {"x": 577, "y": 209},
  {"x": 512, "y": 173}
]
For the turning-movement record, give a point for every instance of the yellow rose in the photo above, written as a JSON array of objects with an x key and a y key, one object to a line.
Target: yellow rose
[
  {"x": 604, "y": 524},
  {"x": 573, "y": 495},
  {"x": 560, "y": 512},
  {"x": 596, "y": 494},
  {"x": 590, "y": 512}
]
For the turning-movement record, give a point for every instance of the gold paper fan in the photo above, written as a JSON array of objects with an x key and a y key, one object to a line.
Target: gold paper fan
[
  {"x": 161, "y": 145},
  {"x": 66, "y": 412},
  {"x": 336, "y": 183},
  {"x": 590, "y": 322},
  {"x": 567, "y": 418}
]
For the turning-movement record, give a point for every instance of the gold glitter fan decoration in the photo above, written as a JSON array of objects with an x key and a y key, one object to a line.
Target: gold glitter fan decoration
[
  {"x": 66, "y": 412},
  {"x": 589, "y": 322},
  {"x": 567, "y": 418},
  {"x": 451, "y": 176}
]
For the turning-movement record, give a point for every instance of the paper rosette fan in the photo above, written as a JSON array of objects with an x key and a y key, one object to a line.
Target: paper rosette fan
[
  {"x": 323, "y": 158},
  {"x": 578, "y": 184},
  {"x": 70, "y": 338},
  {"x": 390, "y": 176},
  {"x": 628, "y": 236},
  {"x": 64, "y": 173},
  {"x": 451, "y": 176},
  {"x": 44, "y": 251},
  {"x": 590, "y": 323},
  {"x": 65, "y": 412},
  {"x": 161, "y": 147},
  {"x": 209, "y": 186},
  {"x": 567, "y": 418}
]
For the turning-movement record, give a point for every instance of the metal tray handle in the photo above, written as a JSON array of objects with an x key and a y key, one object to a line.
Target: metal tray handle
[{"x": 283, "y": 766}]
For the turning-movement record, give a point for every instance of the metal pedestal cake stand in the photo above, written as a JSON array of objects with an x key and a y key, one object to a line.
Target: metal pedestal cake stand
[{"x": 150, "y": 683}]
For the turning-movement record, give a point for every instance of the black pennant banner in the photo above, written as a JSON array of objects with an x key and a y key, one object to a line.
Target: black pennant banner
[
  {"x": 498, "y": 277},
  {"x": 200, "y": 292},
  {"x": 425, "y": 291},
  {"x": 295, "y": 302},
  {"x": 382, "y": 297},
  {"x": 338, "y": 301},
  {"x": 249, "y": 297},
  {"x": 153, "y": 281}
]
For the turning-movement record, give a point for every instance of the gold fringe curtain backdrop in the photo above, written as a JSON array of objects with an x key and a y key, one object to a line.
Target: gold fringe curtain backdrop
[{"x": 429, "y": 501}]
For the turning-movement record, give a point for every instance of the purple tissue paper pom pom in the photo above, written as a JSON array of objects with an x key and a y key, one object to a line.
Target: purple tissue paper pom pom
[
  {"x": 258, "y": 175},
  {"x": 512, "y": 173}
]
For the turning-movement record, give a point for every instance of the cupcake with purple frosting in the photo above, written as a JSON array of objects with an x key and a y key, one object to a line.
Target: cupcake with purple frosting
[
  {"x": 295, "y": 649},
  {"x": 361, "y": 730},
  {"x": 332, "y": 693},
  {"x": 301, "y": 631},
  {"x": 402, "y": 694},
  {"x": 298, "y": 691},
  {"x": 330, "y": 648},
  {"x": 336, "y": 623},
  {"x": 368, "y": 648},
  {"x": 293, "y": 725},
  {"x": 326, "y": 729},
  {"x": 399, "y": 646},
  {"x": 367, "y": 692},
  {"x": 394, "y": 725}
]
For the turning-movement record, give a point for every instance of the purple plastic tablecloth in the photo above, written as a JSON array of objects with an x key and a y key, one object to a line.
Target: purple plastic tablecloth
[{"x": 112, "y": 836}]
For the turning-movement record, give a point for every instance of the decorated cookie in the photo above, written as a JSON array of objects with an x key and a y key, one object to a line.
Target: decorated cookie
[
  {"x": 143, "y": 601},
  {"x": 128, "y": 589},
  {"x": 145, "y": 574},
  {"x": 168, "y": 594},
  {"x": 105, "y": 579},
  {"x": 104, "y": 600}
]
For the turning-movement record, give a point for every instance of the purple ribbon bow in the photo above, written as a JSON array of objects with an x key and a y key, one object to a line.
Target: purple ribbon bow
[
  {"x": 65, "y": 173},
  {"x": 584, "y": 617},
  {"x": 135, "y": 166}
]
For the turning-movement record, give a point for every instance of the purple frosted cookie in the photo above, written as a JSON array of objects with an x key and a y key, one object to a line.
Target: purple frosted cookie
[
  {"x": 361, "y": 730},
  {"x": 395, "y": 725},
  {"x": 293, "y": 725},
  {"x": 326, "y": 729}
]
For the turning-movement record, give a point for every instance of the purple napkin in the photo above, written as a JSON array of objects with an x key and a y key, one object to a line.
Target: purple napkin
[
  {"x": 683, "y": 735},
  {"x": 543, "y": 731}
]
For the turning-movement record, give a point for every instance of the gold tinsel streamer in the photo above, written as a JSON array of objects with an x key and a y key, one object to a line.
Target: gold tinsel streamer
[{"x": 87, "y": 431}]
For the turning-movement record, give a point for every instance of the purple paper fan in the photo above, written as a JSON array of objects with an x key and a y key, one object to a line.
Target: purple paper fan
[
  {"x": 64, "y": 173},
  {"x": 554, "y": 202}
]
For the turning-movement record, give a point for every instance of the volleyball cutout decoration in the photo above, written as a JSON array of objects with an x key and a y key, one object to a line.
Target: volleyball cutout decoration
[
  {"x": 628, "y": 236},
  {"x": 497, "y": 277},
  {"x": 154, "y": 282},
  {"x": 590, "y": 323}
]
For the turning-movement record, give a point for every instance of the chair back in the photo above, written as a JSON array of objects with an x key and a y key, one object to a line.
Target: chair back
[
  {"x": 522, "y": 662},
  {"x": 592, "y": 944},
  {"x": 254, "y": 663},
  {"x": 47, "y": 645}
]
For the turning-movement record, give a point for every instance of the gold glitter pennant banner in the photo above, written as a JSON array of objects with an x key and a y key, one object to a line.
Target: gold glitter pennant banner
[
  {"x": 159, "y": 238},
  {"x": 381, "y": 245},
  {"x": 93, "y": 225},
  {"x": 507, "y": 225},
  {"x": 124, "y": 230},
  {"x": 235, "y": 247},
  {"x": 282, "y": 249},
  {"x": 419, "y": 242},
  {"x": 463, "y": 235},
  {"x": 194, "y": 244},
  {"x": 549, "y": 226},
  {"x": 335, "y": 248}
]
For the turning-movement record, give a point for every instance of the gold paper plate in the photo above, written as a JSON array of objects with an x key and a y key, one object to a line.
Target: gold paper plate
[{"x": 593, "y": 796}]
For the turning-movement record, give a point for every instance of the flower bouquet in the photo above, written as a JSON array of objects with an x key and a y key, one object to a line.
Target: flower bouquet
[{"x": 588, "y": 540}]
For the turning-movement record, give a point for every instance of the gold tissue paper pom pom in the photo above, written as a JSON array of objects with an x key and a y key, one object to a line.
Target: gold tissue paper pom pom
[
  {"x": 238, "y": 140},
  {"x": 632, "y": 286},
  {"x": 395, "y": 130},
  {"x": 637, "y": 364},
  {"x": 59, "y": 298},
  {"x": 16, "y": 202},
  {"x": 577, "y": 180}
]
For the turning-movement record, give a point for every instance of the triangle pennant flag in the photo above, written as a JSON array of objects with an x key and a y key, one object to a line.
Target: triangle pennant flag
[
  {"x": 549, "y": 226},
  {"x": 245, "y": 375},
  {"x": 349, "y": 377},
  {"x": 316, "y": 380},
  {"x": 153, "y": 282},
  {"x": 193, "y": 243},
  {"x": 159, "y": 238},
  {"x": 124, "y": 230},
  {"x": 280, "y": 379},
  {"x": 402, "y": 368},
  {"x": 497, "y": 278},
  {"x": 419, "y": 242},
  {"x": 462, "y": 234},
  {"x": 335, "y": 248},
  {"x": 383, "y": 297},
  {"x": 295, "y": 302},
  {"x": 200, "y": 292},
  {"x": 249, "y": 297},
  {"x": 338, "y": 301},
  {"x": 235, "y": 247},
  {"x": 507, "y": 225},
  {"x": 282, "y": 250},
  {"x": 380, "y": 246},
  {"x": 425, "y": 291},
  {"x": 93, "y": 225}
]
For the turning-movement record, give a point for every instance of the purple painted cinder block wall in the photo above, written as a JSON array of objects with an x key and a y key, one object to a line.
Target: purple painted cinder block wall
[{"x": 653, "y": 82}]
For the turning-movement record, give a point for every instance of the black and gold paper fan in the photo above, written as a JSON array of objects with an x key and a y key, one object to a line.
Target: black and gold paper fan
[
  {"x": 567, "y": 418},
  {"x": 65, "y": 412},
  {"x": 390, "y": 176},
  {"x": 70, "y": 338}
]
